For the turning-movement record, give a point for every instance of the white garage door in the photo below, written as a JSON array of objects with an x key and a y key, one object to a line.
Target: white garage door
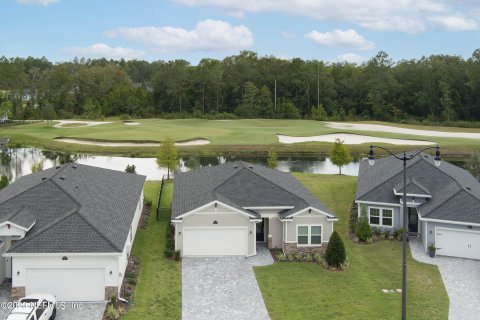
[
  {"x": 215, "y": 242},
  {"x": 458, "y": 243},
  {"x": 67, "y": 284}
]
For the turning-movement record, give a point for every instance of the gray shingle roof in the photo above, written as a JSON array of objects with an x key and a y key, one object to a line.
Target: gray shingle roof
[
  {"x": 76, "y": 208},
  {"x": 413, "y": 187},
  {"x": 241, "y": 184},
  {"x": 455, "y": 193}
]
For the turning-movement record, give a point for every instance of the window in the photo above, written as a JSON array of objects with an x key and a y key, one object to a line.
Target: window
[
  {"x": 387, "y": 217},
  {"x": 309, "y": 235},
  {"x": 40, "y": 309},
  {"x": 374, "y": 216},
  {"x": 381, "y": 217}
]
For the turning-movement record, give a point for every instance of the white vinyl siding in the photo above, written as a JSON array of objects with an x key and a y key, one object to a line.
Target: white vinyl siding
[{"x": 276, "y": 230}]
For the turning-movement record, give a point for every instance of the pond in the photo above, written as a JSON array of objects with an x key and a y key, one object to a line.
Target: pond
[{"x": 15, "y": 163}]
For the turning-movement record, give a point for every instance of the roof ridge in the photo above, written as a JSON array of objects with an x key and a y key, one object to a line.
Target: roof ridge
[
  {"x": 259, "y": 175},
  {"x": 45, "y": 228},
  {"x": 455, "y": 179}
]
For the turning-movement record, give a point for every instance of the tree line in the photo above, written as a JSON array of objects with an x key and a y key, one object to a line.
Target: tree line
[{"x": 439, "y": 88}]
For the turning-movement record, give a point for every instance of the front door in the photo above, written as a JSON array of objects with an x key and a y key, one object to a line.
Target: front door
[
  {"x": 412, "y": 220},
  {"x": 260, "y": 232}
]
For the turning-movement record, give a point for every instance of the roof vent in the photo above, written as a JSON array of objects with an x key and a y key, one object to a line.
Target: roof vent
[
  {"x": 57, "y": 167},
  {"x": 74, "y": 166},
  {"x": 468, "y": 188},
  {"x": 251, "y": 167},
  {"x": 44, "y": 178},
  {"x": 62, "y": 177},
  {"x": 425, "y": 156},
  {"x": 235, "y": 166}
]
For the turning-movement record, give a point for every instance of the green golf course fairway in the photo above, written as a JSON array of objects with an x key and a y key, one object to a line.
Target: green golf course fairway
[{"x": 226, "y": 136}]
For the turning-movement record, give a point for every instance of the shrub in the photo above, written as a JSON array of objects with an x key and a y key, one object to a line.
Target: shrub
[
  {"x": 397, "y": 234},
  {"x": 335, "y": 254},
  {"x": 3, "y": 182},
  {"x": 168, "y": 253},
  {"x": 352, "y": 222},
  {"x": 132, "y": 281},
  {"x": 280, "y": 256},
  {"x": 112, "y": 313},
  {"x": 363, "y": 229},
  {"x": 377, "y": 232},
  {"x": 290, "y": 257},
  {"x": 297, "y": 256},
  {"x": 113, "y": 300},
  {"x": 130, "y": 274},
  {"x": 177, "y": 255},
  {"x": 128, "y": 295},
  {"x": 317, "y": 257},
  {"x": 170, "y": 235},
  {"x": 148, "y": 202},
  {"x": 386, "y": 233},
  {"x": 309, "y": 258}
]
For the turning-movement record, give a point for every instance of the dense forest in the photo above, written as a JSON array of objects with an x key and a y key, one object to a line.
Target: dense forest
[{"x": 439, "y": 88}]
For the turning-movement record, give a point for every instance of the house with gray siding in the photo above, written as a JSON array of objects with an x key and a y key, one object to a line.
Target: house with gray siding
[
  {"x": 228, "y": 209},
  {"x": 443, "y": 203}
]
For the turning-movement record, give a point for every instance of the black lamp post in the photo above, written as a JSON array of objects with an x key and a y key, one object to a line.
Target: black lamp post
[{"x": 405, "y": 158}]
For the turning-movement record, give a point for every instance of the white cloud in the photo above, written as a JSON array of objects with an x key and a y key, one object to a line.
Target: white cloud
[
  {"x": 288, "y": 35},
  {"x": 340, "y": 38},
  {"x": 38, "y": 2},
  {"x": 208, "y": 35},
  {"x": 382, "y": 15},
  {"x": 101, "y": 50},
  {"x": 455, "y": 23},
  {"x": 351, "y": 58}
]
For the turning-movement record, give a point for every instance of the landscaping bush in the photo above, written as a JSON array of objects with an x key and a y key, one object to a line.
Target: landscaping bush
[
  {"x": 177, "y": 255},
  {"x": 148, "y": 202},
  {"x": 113, "y": 300},
  {"x": 377, "y": 232},
  {"x": 362, "y": 228},
  {"x": 386, "y": 233},
  {"x": 168, "y": 253},
  {"x": 335, "y": 254},
  {"x": 290, "y": 257},
  {"x": 309, "y": 258},
  {"x": 317, "y": 257},
  {"x": 112, "y": 313},
  {"x": 132, "y": 281},
  {"x": 352, "y": 222},
  {"x": 397, "y": 234},
  {"x": 170, "y": 237},
  {"x": 280, "y": 256},
  {"x": 297, "y": 256}
]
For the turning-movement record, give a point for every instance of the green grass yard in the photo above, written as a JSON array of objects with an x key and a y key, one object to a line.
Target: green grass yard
[
  {"x": 309, "y": 291},
  {"x": 241, "y": 136},
  {"x": 301, "y": 290},
  {"x": 158, "y": 294}
]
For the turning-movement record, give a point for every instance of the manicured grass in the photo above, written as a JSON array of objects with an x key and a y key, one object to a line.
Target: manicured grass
[
  {"x": 241, "y": 136},
  {"x": 309, "y": 291},
  {"x": 158, "y": 294}
]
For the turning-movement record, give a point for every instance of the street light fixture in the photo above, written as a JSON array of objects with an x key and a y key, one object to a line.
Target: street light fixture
[{"x": 405, "y": 158}]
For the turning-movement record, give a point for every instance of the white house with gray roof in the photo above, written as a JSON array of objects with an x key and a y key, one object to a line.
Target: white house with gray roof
[
  {"x": 227, "y": 209},
  {"x": 68, "y": 231},
  {"x": 443, "y": 202}
]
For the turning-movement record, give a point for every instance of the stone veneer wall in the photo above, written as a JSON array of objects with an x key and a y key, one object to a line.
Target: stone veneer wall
[
  {"x": 289, "y": 248},
  {"x": 110, "y": 292},
  {"x": 18, "y": 293}
]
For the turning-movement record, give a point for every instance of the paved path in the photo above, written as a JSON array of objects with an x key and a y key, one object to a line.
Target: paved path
[
  {"x": 223, "y": 288},
  {"x": 462, "y": 281}
]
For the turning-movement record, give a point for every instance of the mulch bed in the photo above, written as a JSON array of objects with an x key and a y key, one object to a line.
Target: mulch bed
[{"x": 146, "y": 213}]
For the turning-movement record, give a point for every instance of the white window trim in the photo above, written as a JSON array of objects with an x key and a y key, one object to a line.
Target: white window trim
[
  {"x": 381, "y": 217},
  {"x": 309, "y": 235}
]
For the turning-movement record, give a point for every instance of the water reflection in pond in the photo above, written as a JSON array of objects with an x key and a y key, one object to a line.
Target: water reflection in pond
[{"x": 15, "y": 163}]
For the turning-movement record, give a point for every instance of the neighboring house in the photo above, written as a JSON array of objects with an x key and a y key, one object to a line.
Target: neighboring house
[
  {"x": 68, "y": 231},
  {"x": 443, "y": 202},
  {"x": 226, "y": 209}
]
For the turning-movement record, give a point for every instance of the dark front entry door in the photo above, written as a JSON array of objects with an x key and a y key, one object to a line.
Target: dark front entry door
[
  {"x": 260, "y": 232},
  {"x": 412, "y": 220}
]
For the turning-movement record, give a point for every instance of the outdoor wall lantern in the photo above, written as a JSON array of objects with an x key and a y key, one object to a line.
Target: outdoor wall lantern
[
  {"x": 18, "y": 273},
  {"x": 111, "y": 272},
  {"x": 469, "y": 227},
  {"x": 309, "y": 211},
  {"x": 179, "y": 232},
  {"x": 64, "y": 258},
  {"x": 8, "y": 225},
  {"x": 215, "y": 204},
  {"x": 250, "y": 231},
  {"x": 215, "y": 222}
]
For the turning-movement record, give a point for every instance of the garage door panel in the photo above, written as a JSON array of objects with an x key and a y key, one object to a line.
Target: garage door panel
[
  {"x": 67, "y": 284},
  {"x": 458, "y": 243},
  {"x": 214, "y": 242}
]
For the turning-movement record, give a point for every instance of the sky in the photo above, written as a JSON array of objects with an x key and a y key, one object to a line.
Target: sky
[{"x": 332, "y": 31}]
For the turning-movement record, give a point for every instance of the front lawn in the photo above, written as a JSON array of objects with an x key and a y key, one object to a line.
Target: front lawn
[
  {"x": 158, "y": 294},
  {"x": 308, "y": 291}
]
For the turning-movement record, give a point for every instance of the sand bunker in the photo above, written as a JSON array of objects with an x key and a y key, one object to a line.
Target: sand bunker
[
  {"x": 349, "y": 138},
  {"x": 381, "y": 128},
  {"x": 197, "y": 142},
  {"x": 61, "y": 123},
  {"x": 131, "y": 123}
]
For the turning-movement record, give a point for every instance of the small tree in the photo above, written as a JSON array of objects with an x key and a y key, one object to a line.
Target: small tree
[
  {"x": 362, "y": 228},
  {"x": 319, "y": 113},
  {"x": 37, "y": 166},
  {"x": 339, "y": 155},
  {"x": 472, "y": 164},
  {"x": 3, "y": 182},
  {"x": 272, "y": 158},
  {"x": 167, "y": 156},
  {"x": 335, "y": 254},
  {"x": 130, "y": 168}
]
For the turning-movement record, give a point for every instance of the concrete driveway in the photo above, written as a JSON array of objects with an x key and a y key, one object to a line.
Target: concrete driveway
[
  {"x": 222, "y": 288},
  {"x": 462, "y": 281},
  {"x": 65, "y": 311}
]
